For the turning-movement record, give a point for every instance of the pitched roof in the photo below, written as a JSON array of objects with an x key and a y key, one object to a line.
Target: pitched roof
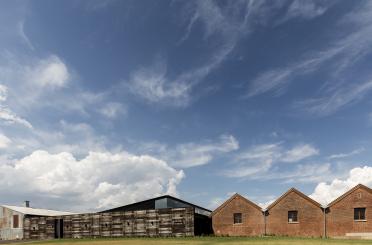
[
  {"x": 298, "y": 193},
  {"x": 359, "y": 186},
  {"x": 36, "y": 211},
  {"x": 231, "y": 199}
]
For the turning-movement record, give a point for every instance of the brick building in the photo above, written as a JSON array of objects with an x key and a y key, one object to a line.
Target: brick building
[
  {"x": 351, "y": 213},
  {"x": 238, "y": 217},
  {"x": 295, "y": 214}
]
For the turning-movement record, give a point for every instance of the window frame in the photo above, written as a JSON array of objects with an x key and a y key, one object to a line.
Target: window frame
[
  {"x": 292, "y": 214},
  {"x": 237, "y": 218},
  {"x": 15, "y": 221},
  {"x": 360, "y": 214}
]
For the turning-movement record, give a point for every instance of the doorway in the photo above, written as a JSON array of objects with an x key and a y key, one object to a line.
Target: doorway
[{"x": 58, "y": 228}]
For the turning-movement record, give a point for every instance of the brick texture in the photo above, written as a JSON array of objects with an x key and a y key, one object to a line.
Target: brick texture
[
  {"x": 340, "y": 215},
  {"x": 310, "y": 217},
  {"x": 252, "y": 218}
]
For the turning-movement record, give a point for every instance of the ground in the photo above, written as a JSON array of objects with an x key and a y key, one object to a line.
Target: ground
[{"x": 205, "y": 241}]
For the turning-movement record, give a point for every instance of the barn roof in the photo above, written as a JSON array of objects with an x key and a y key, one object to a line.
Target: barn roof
[
  {"x": 231, "y": 199},
  {"x": 36, "y": 211},
  {"x": 359, "y": 186},
  {"x": 150, "y": 204},
  {"x": 298, "y": 193}
]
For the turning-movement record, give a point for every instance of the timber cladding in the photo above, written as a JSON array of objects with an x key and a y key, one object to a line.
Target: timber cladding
[
  {"x": 295, "y": 214},
  {"x": 142, "y": 223},
  {"x": 340, "y": 213},
  {"x": 251, "y": 222}
]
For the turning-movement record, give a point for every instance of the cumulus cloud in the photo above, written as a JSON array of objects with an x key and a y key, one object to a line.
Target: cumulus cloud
[
  {"x": 260, "y": 158},
  {"x": 99, "y": 180},
  {"x": 325, "y": 193}
]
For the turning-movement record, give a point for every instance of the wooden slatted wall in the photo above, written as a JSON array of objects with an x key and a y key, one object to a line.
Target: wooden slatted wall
[{"x": 177, "y": 222}]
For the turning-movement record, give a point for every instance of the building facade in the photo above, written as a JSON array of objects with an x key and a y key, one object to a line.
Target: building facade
[
  {"x": 13, "y": 219},
  {"x": 238, "y": 217},
  {"x": 351, "y": 213},
  {"x": 295, "y": 214}
]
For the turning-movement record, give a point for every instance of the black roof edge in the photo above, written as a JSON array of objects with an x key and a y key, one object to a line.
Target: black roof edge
[{"x": 157, "y": 198}]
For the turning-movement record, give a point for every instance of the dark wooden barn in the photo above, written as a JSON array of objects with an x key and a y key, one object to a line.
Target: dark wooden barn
[
  {"x": 201, "y": 216},
  {"x": 164, "y": 216}
]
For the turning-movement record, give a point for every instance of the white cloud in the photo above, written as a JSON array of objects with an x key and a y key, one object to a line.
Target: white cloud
[
  {"x": 22, "y": 34},
  {"x": 224, "y": 27},
  {"x": 50, "y": 72},
  {"x": 38, "y": 83},
  {"x": 348, "y": 154},
  {"x": 3, "y": 93},
  {"x": 113, "y": 109},
  {"x": 325, "y": 193},
  {"x": 255, "y": 160},
  {"x": 302, "y": 173},
  {"x": 259, "y": 159},
  {"x": 196, "y": 154},
  {"x": 193, "y": 154},
  {"x": 4, "y": 141},
  {"x": 99, "y": 180},
  {"x": 343, "y": 52},
  {"x": 300, "y": 152},
  {"x": 153, "y": 85},
  {"x": 334, "y": 101},
  {"x": 7, "y": 115},
  {"x": 307, "y": 9}
]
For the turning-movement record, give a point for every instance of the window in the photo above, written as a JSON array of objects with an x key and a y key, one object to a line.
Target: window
[
  {"x": 359, "y": 213},
  {"x": 238, "y": 218},
  {"x": 15, "y": 221},
  {"x": 292, "y": 216}
]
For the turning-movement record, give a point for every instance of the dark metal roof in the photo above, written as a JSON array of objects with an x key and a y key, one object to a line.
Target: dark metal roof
[{"x": 149, "y": 204}]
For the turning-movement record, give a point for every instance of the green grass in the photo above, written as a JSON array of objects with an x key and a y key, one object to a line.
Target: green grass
[{"x": 206, "y": 241}]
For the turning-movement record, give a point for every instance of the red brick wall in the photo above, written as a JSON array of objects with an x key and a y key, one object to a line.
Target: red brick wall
[
  {"x": 252, "y": 219},
  {"x": 310, "y": 218},
  {"x": 340, "y": 218}
]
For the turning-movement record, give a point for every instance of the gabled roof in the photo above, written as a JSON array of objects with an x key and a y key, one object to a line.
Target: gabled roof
[
  {"x": 293, "y": 190},
  {"x": 231, "y": 199},
  {"x": 359, "y": 186},
  {"x": 36, "y": 211}
]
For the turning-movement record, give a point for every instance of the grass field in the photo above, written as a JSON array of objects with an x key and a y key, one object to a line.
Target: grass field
[{"x": 206, "y": 241}]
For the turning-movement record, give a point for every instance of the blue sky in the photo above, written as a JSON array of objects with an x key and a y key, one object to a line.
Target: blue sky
[{"x": 104, "y": 103}]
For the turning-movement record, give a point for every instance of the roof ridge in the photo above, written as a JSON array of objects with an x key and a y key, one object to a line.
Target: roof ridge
[
  {"x": 232, "y": 198},
  {"x": 351, "y": 190},
  {"x": 292, "y": 189}
]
